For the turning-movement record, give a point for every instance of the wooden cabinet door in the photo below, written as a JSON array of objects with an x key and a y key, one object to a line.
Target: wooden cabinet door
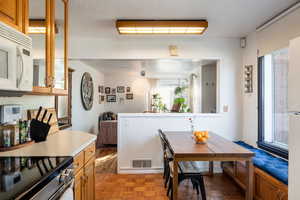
[
  {"x": 114, "y": 133},
  {"x": 265, "y": 190},
  {"x": 79, "y": 186},
  {"x": 89, "y": 173},
  {"x": 11, "y": 13},
  {"x": 104, "y": 133}
]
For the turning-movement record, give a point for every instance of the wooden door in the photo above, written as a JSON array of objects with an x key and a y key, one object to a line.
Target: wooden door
[
  {"x": 79, "y": 186},
  {"x": 89, "y": 173},
  {"x": 11, "y": 13}
]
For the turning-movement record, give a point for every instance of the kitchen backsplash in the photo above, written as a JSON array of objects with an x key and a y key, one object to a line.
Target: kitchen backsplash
[{"x": 29, "y": 102}]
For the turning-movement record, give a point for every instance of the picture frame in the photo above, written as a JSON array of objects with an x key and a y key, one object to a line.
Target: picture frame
[
  {"x": 102, "y": 98},
  {"x": 120, "y": 89},
  {"x": 107, "y": 90},
  {"x": 121, "y": 99},
  {"x": 113, "y": 90},
  {"x": 101, "y": 89},
  {"x": 111, "y": 98},
  {"x": 129, "y": 96},
  {"x": 128, "y": 89}
]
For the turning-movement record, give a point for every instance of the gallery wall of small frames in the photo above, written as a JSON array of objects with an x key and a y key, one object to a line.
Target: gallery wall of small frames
[{"x": 119, "y": 94}]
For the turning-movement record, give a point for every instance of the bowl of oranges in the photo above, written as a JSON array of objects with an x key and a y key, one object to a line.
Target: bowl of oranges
[{"x": 200, "y": 137}]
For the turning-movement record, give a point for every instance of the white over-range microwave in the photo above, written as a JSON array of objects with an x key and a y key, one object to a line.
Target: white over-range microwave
[{"x": 16, "y": 65}]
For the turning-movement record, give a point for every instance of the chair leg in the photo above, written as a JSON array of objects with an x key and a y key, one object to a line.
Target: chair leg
[
  {"x": 170, "y": 187},
  {"x": 167, "y": 177},
  {"x": 165, "y": 170},
  {"x": 202, "y": 188},
  {"x": 195, "y": 185}
]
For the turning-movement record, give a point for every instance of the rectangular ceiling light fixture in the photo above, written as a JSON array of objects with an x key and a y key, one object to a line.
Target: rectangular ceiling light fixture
[
  {"x": 162, "y": 27},
  {"x": 37, "y": 26}
]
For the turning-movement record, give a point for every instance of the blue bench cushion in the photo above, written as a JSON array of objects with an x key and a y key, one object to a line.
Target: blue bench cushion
[{"x": 274, "y": 166}]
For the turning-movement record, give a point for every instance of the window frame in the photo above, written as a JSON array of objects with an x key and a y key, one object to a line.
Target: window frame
[{"x": 261, "y": 142}]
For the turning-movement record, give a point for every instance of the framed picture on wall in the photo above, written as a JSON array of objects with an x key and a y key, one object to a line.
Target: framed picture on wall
[
  {"x": 102, "y": 98},
  {"x": 101, "y": 89},
  {"x": 128, "y": 89},
  {"x": 107, "y": 90},
  {"x": 129, "y": 96},
  {"x": 111, "y": 98},
  {"x": 120, "y": 89},
  {"x": 113, "y": 90},
  {"x": 121, "y": 99}
]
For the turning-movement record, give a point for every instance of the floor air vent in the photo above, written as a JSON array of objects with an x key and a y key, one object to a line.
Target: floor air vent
[{"x": 141, "y": 164}]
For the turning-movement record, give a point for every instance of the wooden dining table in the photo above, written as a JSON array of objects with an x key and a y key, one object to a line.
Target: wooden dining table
[{"x": 216, "y": 148}]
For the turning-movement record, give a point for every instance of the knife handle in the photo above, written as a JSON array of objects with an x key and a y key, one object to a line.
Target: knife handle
[
  {"x": 38, "y": 113},
  {"x": 49, "y": 118},
  {"x": 44, "y": 115}
]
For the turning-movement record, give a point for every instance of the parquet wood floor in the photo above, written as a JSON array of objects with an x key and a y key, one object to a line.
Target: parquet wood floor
[{"x": 112, "y": 186}]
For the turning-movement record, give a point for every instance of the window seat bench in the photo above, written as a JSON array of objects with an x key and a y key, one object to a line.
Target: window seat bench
[{"x": 270, "y": 174}]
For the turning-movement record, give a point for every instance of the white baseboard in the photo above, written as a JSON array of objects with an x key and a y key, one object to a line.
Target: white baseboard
[
  {"x": 140, "y": 171},
  {"x": 217, "y": 169}
]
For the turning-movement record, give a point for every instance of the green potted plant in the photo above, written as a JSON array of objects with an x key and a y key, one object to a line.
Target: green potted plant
[{"x": 180, "y": 104}]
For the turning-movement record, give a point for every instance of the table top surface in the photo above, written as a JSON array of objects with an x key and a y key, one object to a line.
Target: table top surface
[{"x": 183, "y": 144}]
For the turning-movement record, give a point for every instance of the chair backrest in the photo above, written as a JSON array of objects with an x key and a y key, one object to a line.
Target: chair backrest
[
  {"x": 162, "y": 139},
  {"x": 165, "y": 141}
]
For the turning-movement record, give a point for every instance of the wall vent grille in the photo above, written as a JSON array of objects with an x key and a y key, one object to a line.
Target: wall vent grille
[{"x": 142, "y": 163}]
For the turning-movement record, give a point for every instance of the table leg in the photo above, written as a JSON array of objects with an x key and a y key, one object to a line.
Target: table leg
[
  {"x": 175, "y": 180},
  {"x": 211, "y": 168},
  {"x": 249, "y": 184}
]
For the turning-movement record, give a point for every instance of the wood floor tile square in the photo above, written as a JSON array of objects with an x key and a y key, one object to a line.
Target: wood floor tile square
[{"x": 112, "y": 186}]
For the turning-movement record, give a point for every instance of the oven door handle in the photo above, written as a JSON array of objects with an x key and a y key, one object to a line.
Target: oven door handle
[
  {"x": 62, "y": 189},
  {"x": 19, "y": 55}
]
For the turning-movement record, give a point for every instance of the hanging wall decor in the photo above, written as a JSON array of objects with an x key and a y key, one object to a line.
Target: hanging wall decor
[
  {"x": 120, "y": 89},
  {"x": 107, "y": 90},
  {"x": 129, "y": 96},
  {"x": 87, "y": 91},
  {"x": 248, "y": 77}
]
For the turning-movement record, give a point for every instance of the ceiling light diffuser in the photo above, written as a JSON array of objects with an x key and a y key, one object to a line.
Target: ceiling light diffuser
[
  {"x": 177, "y": 27},
  {"x": 38, "y": 26}
]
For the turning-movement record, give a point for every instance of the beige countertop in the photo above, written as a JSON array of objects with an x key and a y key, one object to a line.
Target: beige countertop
[{"x": 63, "y": 143}]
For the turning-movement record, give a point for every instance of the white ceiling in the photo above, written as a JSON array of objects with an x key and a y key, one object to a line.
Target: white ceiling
[
  {"x": 227, "y": 18},
  {"x": 158, "y": 68}
]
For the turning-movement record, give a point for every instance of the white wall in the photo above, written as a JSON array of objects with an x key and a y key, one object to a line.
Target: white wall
[
  {"x": 250, "y": 104},
  {"x": 139, "y": 87},
  {"x": 82, "y": 119},
  {"x": 138, "y": 136}
]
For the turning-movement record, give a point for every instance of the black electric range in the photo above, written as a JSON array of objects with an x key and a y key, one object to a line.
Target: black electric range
[{"x": 26, "y": 177}]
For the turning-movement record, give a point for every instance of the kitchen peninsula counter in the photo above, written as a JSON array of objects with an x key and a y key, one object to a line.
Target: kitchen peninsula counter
[{"x": 63, "y": 143}]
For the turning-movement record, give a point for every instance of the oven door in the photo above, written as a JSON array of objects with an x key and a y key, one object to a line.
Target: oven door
[{"x": 8, "y": 71}]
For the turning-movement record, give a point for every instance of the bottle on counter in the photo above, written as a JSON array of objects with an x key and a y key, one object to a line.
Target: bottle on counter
[
  {"x": 28, "y": 138},
  {"x": 15, "y": 136},
  {"x": 6, "y": 137},
  {"x": 22, "y": 130}
]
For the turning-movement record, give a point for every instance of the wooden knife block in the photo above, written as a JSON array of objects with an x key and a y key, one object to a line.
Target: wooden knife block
[{"x": 53, "y": 122}]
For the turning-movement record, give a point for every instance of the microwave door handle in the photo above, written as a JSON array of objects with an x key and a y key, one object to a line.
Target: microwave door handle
[{"x": 22, "y": 68}]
